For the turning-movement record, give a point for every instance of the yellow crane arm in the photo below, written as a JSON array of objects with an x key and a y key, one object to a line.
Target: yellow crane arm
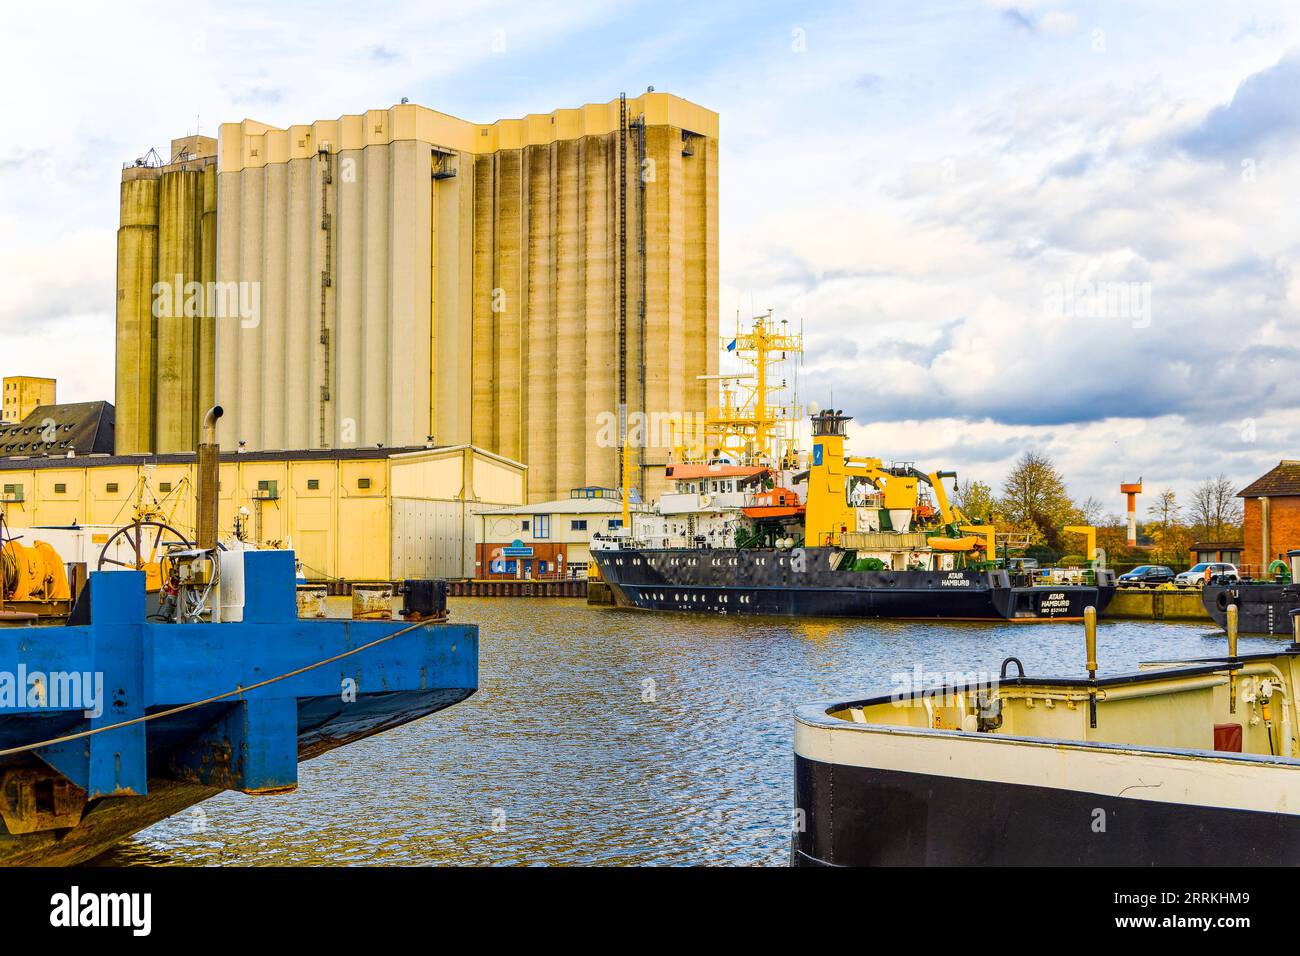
[
  {"x": 1090, "y": 536},
  {"x": 949, "y": 513},
  {"x": 988, "y": 532}
]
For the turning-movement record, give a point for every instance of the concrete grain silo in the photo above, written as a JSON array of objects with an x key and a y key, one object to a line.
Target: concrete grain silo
[
  {"x": 166, "y": 247},
  {"x": 418, "y": 275}
]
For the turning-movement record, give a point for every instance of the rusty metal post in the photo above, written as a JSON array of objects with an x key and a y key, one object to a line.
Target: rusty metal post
[
  {"x": 209, "y": 469},
  {"x": 1232, "y": 656},
  {"x": 1090, "y": 636}
]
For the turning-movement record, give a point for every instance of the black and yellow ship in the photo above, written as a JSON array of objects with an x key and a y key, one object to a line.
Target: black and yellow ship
[{"x": 888, "y": 553}]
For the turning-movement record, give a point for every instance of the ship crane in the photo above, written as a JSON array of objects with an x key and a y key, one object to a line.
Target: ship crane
[{"x": 752, "y": 424}]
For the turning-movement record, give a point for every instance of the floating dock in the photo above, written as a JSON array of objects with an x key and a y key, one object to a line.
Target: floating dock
[{"x": 113, "y": 723}]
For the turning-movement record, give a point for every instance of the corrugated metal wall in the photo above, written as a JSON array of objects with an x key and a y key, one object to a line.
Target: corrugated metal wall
[{"x": 434, "y": 539}]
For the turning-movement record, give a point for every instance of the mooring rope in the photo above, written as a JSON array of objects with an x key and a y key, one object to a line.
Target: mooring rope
[{"x": 210, "y": 700}]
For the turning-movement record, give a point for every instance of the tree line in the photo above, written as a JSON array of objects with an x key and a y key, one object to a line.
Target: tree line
[{"x": 1034, "y": 505}]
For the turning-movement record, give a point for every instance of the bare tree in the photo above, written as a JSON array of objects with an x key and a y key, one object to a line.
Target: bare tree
[
  {"x": 1170, "y": 537},
  {"x": 1164, "y": 510},
  {"x": 1216, "y": 510}
]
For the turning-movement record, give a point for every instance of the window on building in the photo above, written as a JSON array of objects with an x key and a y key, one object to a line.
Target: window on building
[
  {"x": 615, "y": 523},
  {"x": 524, "y": 524},
  {"x": 542, "y": 526},
  {"x": 313, "y": 484},
  {"x": 60, "y": 488},
  {"x": 13, "y": 489},
  {"x": 164, "y": 486},
  {"x": 363, "y": 483},
  {"x": 578, "y": 524},
  {"x": 111, "y": 488}
]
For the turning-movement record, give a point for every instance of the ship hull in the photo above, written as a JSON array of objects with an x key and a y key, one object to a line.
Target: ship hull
[
  {"x": 864, "y": 816},
  {"x": 904, "y": 793},
  {"x": 1262, "y": 608},
  {"x": 806, "y": 583}
]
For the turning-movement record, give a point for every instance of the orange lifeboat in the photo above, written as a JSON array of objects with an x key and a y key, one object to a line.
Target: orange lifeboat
[{"x": 777, "y": 503}]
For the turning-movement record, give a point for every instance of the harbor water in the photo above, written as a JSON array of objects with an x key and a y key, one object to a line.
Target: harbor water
[{"x": 607, "y": 736}]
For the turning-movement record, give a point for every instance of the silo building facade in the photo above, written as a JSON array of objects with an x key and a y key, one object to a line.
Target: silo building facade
[{"x": 403, "y": 277}]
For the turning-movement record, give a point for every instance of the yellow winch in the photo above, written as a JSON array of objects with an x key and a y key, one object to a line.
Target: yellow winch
[{"x": 32, "y": 574}]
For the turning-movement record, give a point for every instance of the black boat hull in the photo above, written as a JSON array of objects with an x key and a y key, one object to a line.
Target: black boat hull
[
  {"x": 804, "y": 583},
  {"x": 1262, "y": 607},
  {"x": 863, "y": 816}
]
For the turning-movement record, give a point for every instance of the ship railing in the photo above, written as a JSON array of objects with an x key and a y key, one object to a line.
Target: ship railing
[{"x": 572, "y": 572}]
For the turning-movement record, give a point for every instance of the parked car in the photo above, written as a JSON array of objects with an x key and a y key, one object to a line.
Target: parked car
[
  {"x": 1146, "y": 576},
  {"x": 1194, "y": 577}
]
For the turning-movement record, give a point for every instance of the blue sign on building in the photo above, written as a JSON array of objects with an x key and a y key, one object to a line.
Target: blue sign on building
[{"x": 517, "y": 550}]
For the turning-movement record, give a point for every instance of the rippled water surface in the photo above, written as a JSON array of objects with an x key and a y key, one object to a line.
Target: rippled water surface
[{"x": 613, "y": 737}]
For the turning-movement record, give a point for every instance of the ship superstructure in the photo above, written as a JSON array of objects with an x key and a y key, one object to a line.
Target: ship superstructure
[{"x": 766, "y": 530}]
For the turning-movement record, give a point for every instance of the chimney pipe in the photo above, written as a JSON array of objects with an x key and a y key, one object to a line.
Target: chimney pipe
[{"x": 209, "y": 461}]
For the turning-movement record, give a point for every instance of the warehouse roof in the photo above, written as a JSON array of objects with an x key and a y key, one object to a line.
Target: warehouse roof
[
  {"x": 55, "y": 460},
  {"x": 83, "y": 428},
  {"x": 1282, "y": 480}
]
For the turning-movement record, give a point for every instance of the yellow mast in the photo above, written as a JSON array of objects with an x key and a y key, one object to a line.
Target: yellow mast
[
  {"x": 749, "y": 424},
  {"x": 627, "y": 481}
]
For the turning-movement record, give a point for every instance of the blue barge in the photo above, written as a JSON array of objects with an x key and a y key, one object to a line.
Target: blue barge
[{"x": 114, "y": 722}]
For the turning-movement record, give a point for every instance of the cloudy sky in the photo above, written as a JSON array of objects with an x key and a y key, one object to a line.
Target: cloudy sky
[{"x": 1063, "y": 226}]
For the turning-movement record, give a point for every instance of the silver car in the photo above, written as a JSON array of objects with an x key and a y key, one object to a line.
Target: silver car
[{"x": 1194, "y": 577}]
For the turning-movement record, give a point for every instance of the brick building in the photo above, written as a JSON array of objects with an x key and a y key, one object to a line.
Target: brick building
[{"x": 1271, "y": 525}]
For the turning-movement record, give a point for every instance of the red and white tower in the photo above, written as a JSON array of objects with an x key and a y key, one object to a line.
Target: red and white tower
[{"x": 1132, "y": 489}]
